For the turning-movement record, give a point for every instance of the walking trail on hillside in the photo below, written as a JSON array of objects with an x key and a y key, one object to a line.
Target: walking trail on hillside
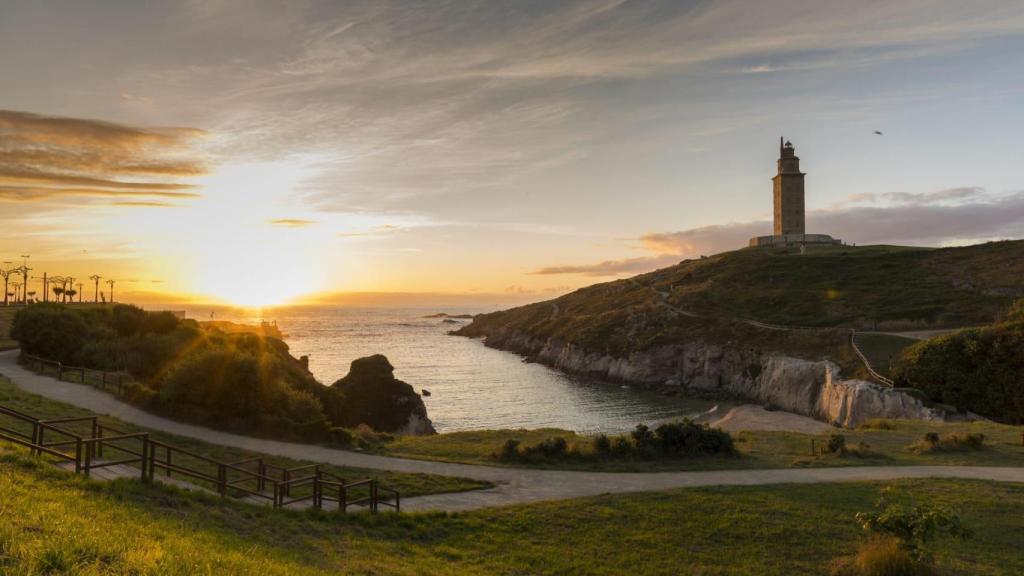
[{"x": 513, "y": 485}]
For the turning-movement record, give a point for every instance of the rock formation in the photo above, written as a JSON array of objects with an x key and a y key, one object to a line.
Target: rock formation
[
  {"x": 373, "y": 396},
  {"x": 811, "y": 388}
]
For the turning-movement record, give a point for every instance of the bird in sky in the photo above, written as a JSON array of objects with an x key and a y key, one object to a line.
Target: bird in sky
[{"x": 877, "y": 132}]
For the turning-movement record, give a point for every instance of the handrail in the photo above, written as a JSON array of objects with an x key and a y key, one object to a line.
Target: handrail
[
  {"x": 87, "y": 448},
  {"x": 867, "y": 363}
]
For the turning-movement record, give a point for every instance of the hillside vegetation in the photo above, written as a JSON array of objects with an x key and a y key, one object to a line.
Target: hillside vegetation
[
  {"x": 830, "y": 288},
  {"x": 980, "y": 369},
  {"x": 234, "y": 381},
  {"x": 57, "y": 523}
]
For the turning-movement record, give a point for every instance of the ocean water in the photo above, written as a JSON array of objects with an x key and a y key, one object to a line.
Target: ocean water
[{"x": 472, "y": 387}]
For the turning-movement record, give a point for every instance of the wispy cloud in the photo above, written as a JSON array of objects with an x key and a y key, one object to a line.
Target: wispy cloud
[
  {"x": 292, "y": 222},
  {"x": 43, "y": 157},
  {"x": 919, "y": 219}
]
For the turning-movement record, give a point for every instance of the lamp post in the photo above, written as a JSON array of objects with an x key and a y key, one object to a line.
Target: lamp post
[
  {"x": 111, "y": 284},
  {"x": 96, "y": 292},
  {"x": 79, "y": 292},
  {"x": 16, "y": 286},
  {"x": 6, "y": 272},
  {"x": 24, "y": 275}
]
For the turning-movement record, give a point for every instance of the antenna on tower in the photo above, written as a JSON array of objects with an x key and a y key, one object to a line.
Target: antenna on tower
[{"x": 781, "y": 138}]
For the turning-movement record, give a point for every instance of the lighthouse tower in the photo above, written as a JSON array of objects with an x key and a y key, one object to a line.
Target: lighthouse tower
[{"x": 789, "y": 192}]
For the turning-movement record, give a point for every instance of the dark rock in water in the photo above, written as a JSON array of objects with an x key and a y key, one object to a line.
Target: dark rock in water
[
  {"x": 449, "y": 321},
  {"x": 373, "y": 396},
  {"x": 425, "y": 392}
]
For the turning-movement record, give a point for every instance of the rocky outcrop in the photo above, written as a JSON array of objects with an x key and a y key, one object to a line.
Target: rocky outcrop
[
  {"x": 811, "y": 388},
  {"x": 373, "y": 396}
]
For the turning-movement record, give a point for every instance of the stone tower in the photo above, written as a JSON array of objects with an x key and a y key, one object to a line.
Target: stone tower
[{"x": 789, "y": 193}]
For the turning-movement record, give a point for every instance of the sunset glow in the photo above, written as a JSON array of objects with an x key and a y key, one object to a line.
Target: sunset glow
[{"x": 255, "y": 155}]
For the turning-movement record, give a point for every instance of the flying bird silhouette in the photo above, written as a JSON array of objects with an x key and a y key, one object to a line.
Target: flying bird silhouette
[{"x": 877, "y": 132}]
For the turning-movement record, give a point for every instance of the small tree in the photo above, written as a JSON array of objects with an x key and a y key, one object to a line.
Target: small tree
[
  {"x": 913, "y": 525},
  {"x": 70, "y": 293},
  {"x": 57, "y": 291}
]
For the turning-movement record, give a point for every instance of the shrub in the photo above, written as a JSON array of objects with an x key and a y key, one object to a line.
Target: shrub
[
  {"x": 877, "y": 424},
  {"x": 913, "y": 526},
  {"x": 642, "y": 436},
  {"x": 342, "y": 437},
  {"x": 687, "y": 437},
  {"x": 837, "y": 443},
  {"x": 954, "y": 442},
  {"x": 884, "y": 557},
  {"x": 977, "y": 369},
  {"x": 602, "y": 445},
  {"x": 510, "y": 449}
]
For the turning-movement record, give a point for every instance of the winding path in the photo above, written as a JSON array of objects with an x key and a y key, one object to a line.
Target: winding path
[{"x": 513, "y": 485}]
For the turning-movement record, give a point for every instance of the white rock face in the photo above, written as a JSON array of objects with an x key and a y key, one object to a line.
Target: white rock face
[{"x": 811, "y": 388}]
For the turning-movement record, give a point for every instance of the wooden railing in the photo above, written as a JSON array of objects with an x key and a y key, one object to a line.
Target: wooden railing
[
  {"x": 115, "y": 381},
  {"x": 279, "y": 486},
  {"x": 867, "y": 364}
]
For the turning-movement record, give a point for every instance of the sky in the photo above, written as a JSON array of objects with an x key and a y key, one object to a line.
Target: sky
[{"x": 263, "y": 152}]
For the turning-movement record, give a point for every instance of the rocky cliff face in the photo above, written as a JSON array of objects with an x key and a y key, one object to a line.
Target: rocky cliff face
[{"x": 811, "y": 388}]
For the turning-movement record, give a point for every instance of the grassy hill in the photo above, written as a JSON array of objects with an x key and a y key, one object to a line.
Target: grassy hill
[
  {"x": 57, "y": 523},
  {"x": 830, "y": 288}
]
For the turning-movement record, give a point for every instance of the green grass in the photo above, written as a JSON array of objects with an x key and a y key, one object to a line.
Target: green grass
[
  {"x": 832, "y": 289},
  {"x": 408, "y": 484},
  {"x": 55, "y": 522},
  {"x": 756, "y": 449},
  {"x": 882, "y": 349}
]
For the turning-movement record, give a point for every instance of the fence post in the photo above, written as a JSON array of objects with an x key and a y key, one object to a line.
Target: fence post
[
  {"x": 152, "y": 460},
  {"x": 222, "y": 480},
  {"x": 287, "y": 488},
  {"x": 373, "y": 496},
  {"x": 343, "y": 498},
  {"x": 103, "y": 378},
  {"x": 398, "y": 502},
  {"x": 97, "y": 432},
  {"x": 167, "y": 449},
  {"x": 36, "y": 441},
  {"x": 60, "y": 371},
  {"x": 88, "y": 457},
  {"x": 78, "y": 455},
  {"x": 261, "y": 469},
  {"x": 83, "y": 374},
  {"x": 145, "y": 456}
]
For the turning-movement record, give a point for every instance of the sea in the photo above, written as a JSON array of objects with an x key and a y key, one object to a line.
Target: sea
[{"x": 471, "y": 386}]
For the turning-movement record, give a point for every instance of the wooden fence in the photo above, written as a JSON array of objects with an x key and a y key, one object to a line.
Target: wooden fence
[
  {"x": 867, "y": 364},
  {"x": 105, "y": 380},
  {"x": 89, "y": 445}
]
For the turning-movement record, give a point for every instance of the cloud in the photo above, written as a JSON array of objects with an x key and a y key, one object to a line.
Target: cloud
[
  {"x": 143, "y": 204},
  {"x": 43, "y": 157},
  {"x": 613, "y": 267},
  {"x": 291, "y": 222},
  {"x": 920, "y": 219}
]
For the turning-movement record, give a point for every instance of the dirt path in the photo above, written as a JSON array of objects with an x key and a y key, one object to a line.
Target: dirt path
[{"x": 513, "y": 485}]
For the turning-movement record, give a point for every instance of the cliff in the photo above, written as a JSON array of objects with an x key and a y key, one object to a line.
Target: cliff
[
  {"x": 766, "y": 325},
  {"x": 373, "y": 396}
]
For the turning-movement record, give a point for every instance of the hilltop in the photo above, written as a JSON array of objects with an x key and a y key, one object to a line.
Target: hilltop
[
  {"x": 868, "y": 287},
  {"x": 767, "y": 325}
]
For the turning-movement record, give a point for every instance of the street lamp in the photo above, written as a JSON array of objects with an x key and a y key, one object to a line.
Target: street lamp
[
  {"x": 96, "y": 293},
  {"x": 24, "y": 274},
  {"x": 6, "y": 272},
  {"x": 111, "y": 284}
]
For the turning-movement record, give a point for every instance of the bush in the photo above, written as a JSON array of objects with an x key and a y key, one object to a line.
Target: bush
[
  {"x": 602, "y": 445},
  {"x": 510, "y": 449},
  {"x": 877, "y": 424},
  {"x": 342, "y": 437},
  {"x": 687, "y": 437},
  {"x": 913, "y": 526},
  {"x": 837, "y": 444},
  {"x": 954, "y": 442},
  {"x": 977, "y": 369},
  {"x": 642, "y": 436},
  {"x": 884, "y": 557}
]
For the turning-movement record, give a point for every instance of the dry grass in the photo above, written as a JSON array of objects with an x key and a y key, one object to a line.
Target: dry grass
[
  {"x": 882, "y": 557},
  {"x": 953, "y": 442}
]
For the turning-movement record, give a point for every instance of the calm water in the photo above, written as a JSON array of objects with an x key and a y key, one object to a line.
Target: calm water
[{"x": 472, "y": 386}]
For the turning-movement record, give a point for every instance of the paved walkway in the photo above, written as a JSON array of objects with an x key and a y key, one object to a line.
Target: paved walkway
[{"x": 513, "y": 485}]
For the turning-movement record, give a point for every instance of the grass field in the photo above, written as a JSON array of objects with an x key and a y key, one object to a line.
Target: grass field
[
  {"x": 756, "y": 449},
  {"x": 408, "y": 484},
  {"x": 57, "y": 523}
]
